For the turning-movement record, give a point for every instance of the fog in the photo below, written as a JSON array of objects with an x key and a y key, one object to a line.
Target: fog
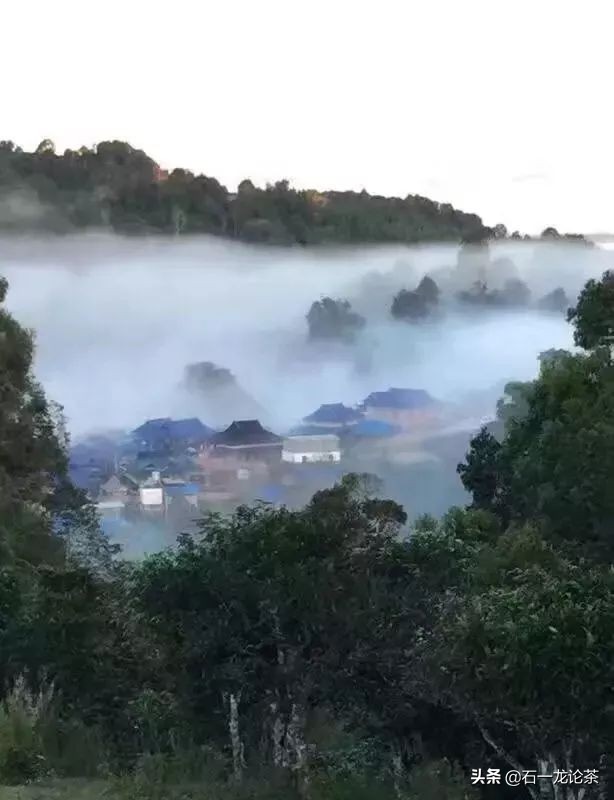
[{"x": 117, "y": 320}]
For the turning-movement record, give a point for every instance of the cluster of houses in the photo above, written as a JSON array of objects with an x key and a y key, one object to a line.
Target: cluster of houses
[{"x": 168, "y": 469}]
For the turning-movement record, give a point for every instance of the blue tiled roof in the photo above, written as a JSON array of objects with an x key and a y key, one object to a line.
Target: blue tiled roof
[
  {"x": 191, "y": 428},
  {"x": 334, "y": 413},
  {"x": 400, "y": 398},
  {"x": 374, "y": 428},
  {"x": 182, "y": 489},
  {"x": 165, "y": 428}
]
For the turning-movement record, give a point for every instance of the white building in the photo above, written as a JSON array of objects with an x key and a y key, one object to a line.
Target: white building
[
  {"x": 151, "y": 493},
  {"x": 310, "y": 449}
]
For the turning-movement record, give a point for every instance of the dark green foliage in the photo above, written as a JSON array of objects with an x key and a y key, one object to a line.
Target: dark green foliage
[
  {"x": 114, "y": 184},
  {"x": 482, "y": 473},
  {"x": 593, "y": 316},
  {"x": 554, "y": 464},
  {"x": 515, "y": 294},
  {"x": 417, "y": 305},
  {"x": 409, "y": 306},
  {"x": 333, "y": 320}
]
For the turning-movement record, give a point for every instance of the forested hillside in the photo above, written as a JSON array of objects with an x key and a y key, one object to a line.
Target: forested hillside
[
  {"x": 114, "y": 185},
  {"x": 326, "y": 652}
]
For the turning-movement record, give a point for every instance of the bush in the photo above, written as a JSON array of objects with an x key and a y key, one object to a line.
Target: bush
[{"x": 22, "y": 716}]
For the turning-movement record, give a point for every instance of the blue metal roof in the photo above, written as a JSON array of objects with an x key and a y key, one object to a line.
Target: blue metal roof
[
  {"x": 400, "y": 399},
  {"x": 334, "y": 413},
  {"x": 374, "y": 428},
  {"x": 182, "y": 489}
]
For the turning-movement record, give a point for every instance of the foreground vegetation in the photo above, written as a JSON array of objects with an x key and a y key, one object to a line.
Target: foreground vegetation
[{"x": 320, "y": 653}]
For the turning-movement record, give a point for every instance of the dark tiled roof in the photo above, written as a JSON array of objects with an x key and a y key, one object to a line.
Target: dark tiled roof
[
  {"x": 152, "y": 427},
  {"x": 334, "y": 413},
  {"x": 192, "y": 429},
  {"x": 245, "y": 432},
  {"x": 157, "y": 431},
  {"x": 400, "y": 399}
]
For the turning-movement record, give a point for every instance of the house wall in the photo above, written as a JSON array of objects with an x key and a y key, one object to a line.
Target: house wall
[
  {"x": 151, "y": 496},
  {"x": 310, "y": 457},
  {"x": 249, "y": 453}
]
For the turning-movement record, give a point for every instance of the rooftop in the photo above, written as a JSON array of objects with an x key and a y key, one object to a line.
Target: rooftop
[
  {"x": 181, "y": 489},
  {"x": 374, "y": 428},
  {"x": 191, "y": 429},
  {"x": 334, "y": 413},
  {"x": 245, "y": 432},
  {"x": 400, "y": 399}
]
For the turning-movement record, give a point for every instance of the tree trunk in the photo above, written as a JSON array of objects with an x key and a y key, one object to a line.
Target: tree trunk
[{"x": 238, "y": 755}]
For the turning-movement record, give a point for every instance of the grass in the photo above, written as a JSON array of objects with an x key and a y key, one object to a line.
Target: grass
[{"x": 64, "y": 789}]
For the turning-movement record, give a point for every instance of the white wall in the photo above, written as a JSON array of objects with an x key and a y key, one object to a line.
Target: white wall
[
  {"x": 301, "y": 458},
  {"x": 151, "y": 496}
]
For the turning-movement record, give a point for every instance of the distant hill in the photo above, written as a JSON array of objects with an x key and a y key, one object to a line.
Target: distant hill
[{"x": 113, "y": 185}]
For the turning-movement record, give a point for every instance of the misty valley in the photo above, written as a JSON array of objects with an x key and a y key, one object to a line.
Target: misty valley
[
  {"x": 303, "y": 495},
  {"x": 156, "y": 349}
]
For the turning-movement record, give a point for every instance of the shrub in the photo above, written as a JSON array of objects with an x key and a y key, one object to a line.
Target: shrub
[{"x": 22, "y": 716}]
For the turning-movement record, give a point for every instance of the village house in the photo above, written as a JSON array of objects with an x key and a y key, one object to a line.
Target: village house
[
  {"x": 166, "y": 435},
  {"x": 248, "y": 441},
  {"x": 113, "y": 488},
  {"x": 408, "y": 409},
  {"x": 311, "y": 449},
  {"x": 333, "y": 416},
  {"x": 180, "y": 491},
  {"x": 151, "y": 495}
]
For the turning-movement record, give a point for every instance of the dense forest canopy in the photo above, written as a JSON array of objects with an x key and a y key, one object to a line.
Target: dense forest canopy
[{"x": 115, "y": 185}]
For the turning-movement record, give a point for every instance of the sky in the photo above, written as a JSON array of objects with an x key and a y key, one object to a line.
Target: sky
[{"x": 501, "y": 107}]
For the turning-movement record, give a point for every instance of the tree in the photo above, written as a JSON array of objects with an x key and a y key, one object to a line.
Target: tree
[
  {"x": 428, "y": 289},
  {"x": 46, "y": 146},
  {"x": 555, "y": 301},
  {"x": 116, "y": 184},
  {"x": 409, "y": 306},
  {"x": 481, "y": 474},
  {"x": 514, "y": 405},
  {"x": 218, "y": 395},
  {"x": 478, "y": 294},
  {"x": 593, "y": 315},
  {"x": 416, "y": 305},
  {"x": 515, "y": 293},
  {"x": 259, "y": 609},
  {"x": 554, "y": 463},
  {"x": 549, "y": 624},
  {"x": 330, "y": 319}
]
